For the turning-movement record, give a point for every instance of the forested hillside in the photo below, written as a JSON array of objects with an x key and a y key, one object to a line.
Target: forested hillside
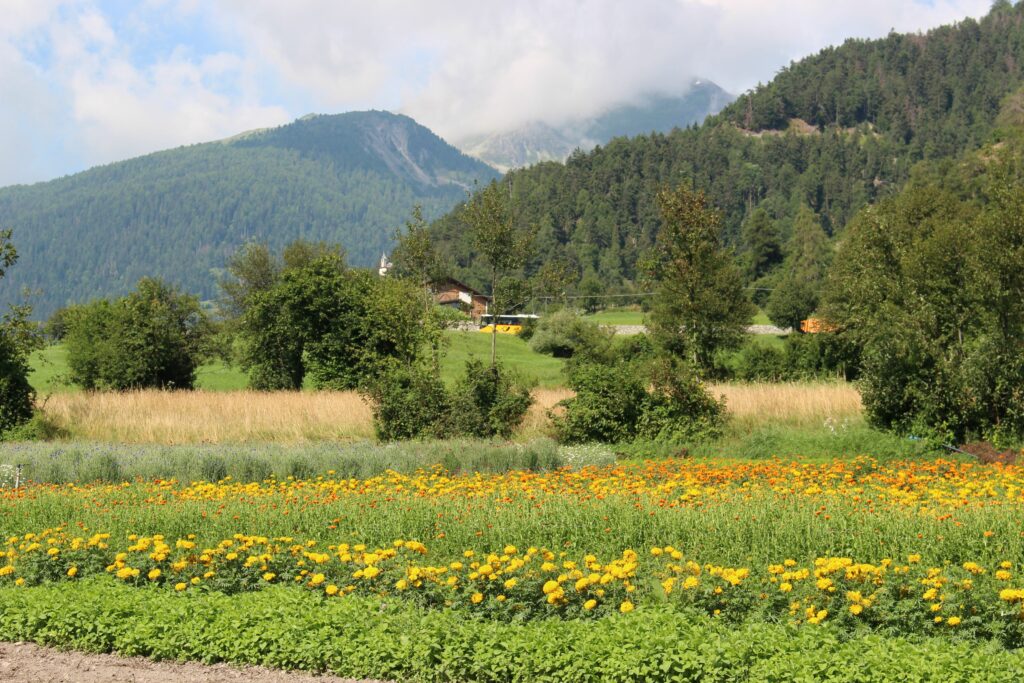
[
  {"x": 829, "y": 134},
  {"x": 351, "y": 178}
]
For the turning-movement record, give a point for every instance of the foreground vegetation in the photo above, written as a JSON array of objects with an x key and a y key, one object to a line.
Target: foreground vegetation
[
  {"x": 725, "y": 568},
  {"x": 389, "y": 640}
]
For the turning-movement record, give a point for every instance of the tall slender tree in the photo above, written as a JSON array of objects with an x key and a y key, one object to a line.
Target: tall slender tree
[
  {"x": 699, "y": 305},
  {"x": 498, "y": 239}
]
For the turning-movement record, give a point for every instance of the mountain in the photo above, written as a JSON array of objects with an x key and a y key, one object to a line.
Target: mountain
[
  {"x": 833, "y": 132},
  {"x": 349, "y": 178},
  {"x": 538, "y": 141}
]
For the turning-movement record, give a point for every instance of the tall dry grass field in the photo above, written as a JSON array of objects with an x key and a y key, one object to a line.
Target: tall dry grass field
[
  {"x": 212, "y": 416},
  {"x": 789, "y": 405},
  {"x": 296, "y": 417}
]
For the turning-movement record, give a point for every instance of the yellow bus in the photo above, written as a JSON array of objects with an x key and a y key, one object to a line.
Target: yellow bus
[{"x": 507, "y": 324}]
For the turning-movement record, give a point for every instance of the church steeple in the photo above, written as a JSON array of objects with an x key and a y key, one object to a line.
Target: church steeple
[{"x": 385, "y": 265}]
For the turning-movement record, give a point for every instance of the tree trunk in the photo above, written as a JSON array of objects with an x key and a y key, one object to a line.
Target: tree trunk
[{"x": 494, "y": 319}]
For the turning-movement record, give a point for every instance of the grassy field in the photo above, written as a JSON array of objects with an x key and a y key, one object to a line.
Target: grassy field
[
  {"x": 49, "y": 366},
  {"x": 618, "y": 316}
]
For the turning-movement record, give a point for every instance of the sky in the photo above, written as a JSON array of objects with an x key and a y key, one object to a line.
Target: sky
[{"x": 88, "y": 82}]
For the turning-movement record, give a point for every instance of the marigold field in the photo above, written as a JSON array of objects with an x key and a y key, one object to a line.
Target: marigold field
[{"x": 919, "y": 549}]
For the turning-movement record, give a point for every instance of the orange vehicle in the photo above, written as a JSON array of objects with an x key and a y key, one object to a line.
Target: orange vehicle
[{"x": 816, "y": 325}]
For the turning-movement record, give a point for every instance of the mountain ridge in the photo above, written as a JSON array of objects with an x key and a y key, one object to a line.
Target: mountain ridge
[
  {"x": 538, "y": 141},
  {"x": 351, "y": 178}
]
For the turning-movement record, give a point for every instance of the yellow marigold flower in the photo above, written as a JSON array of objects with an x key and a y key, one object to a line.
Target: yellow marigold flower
[
  {"x": 1005, "y": 564},
  {"x": 269, "y": 576},
  {"x": 369, "y": 572},
  {"x": 73, "y": 572},
  {"x": 19, "y": 581},
  {"x": 856, "y": 609},
  {"x": 510, "y": 550},
  {"x": 510, "y": 584},
  {"x": 935, "y": 606},
  {"x": 485, "y": 570},
  {"x": 691, "y": 582},
  {"x": 53, "y": 551},
  {"x": 6, "y": 570},
  {"x": 626, "y": 607},
  {"x": 180, "y": 586},
  {"x": 195, "y": 581},
  {"x": 153, "y": 574},
  {"x": 401, "y": 584},
  {"x": 1003, "y": 575},
  {"x": 456, "y": 566},
  {"x": 550, "y": 587},
  {"x": 953, "y": 621},
  {"x": 930, "y": 594},
  {"x": 500, "y": 598},
  {"x": 938, "y": 620},
  {"x": 913, "y": 559},
  {"x": 477, "y": 598},
  {"x": 656, "y": 552},
  {"x": 331, "y": 589},
  {"x": 590, "y": 604},
  {"x": 468, "y": 553}
]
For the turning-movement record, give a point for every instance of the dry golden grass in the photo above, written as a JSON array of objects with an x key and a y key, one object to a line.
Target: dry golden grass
[
  {"x": 212, "y": 416},
  {"x": 789, "y": 404},
  {"x": 295, "y": 417}
]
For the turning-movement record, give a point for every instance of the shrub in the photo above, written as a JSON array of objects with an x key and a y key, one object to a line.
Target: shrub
[
  {"x": 760, "y": 363},
  {"x": 154, "y": 337},
  {"x": 608, "y": 404},
  {"x": 564, "y": 334},
  {"x": 409, "y": 403},
  {"x": 625, "y": 401},
  {"x": 16, "y": 394},
  {"x": 679, "y": 409},
  {"x": 488, "y": 401}
]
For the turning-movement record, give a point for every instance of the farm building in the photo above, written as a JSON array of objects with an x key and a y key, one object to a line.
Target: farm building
[{"x": 451, "y": 292}]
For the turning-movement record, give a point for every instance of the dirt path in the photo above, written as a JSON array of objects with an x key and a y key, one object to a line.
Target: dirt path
[{"x": 28, "y": 663}]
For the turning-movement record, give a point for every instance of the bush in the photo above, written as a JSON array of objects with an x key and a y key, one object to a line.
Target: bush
[
  {"x": 154, "y": 337},
  {"x": 607, "y": 407},
  {"x": 38, "y": 428},
  {"x": 802, "y": 357},
  {"x": 488, "y": 401},
  {"x": 625, "y": 401},
  {"x": 413, "y": 403},
  {"x": 564, "y": 334},
  {"x": 16, "y": 394},
  {"x": 760, "y": 363},
  {"x": 410, "y": 403},
  {"x": 679, "y": 409}
]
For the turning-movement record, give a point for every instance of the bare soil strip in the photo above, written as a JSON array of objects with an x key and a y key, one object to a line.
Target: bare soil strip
[{"x": 29, "y": 663}]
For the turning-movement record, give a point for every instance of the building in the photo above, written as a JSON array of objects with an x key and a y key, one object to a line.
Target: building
[
  {"x": 451, "y": 292},
  {"x": 385, "y": 265}
]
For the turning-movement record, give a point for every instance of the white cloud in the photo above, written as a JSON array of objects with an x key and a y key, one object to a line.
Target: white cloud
[
  {"x": 88, "y": 102},
  {"x": 494, "y": 65},
  {"x": 78, "y": 90}
]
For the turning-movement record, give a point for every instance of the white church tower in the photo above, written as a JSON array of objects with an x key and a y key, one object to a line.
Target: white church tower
[{"x": 385, "y": 265}]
